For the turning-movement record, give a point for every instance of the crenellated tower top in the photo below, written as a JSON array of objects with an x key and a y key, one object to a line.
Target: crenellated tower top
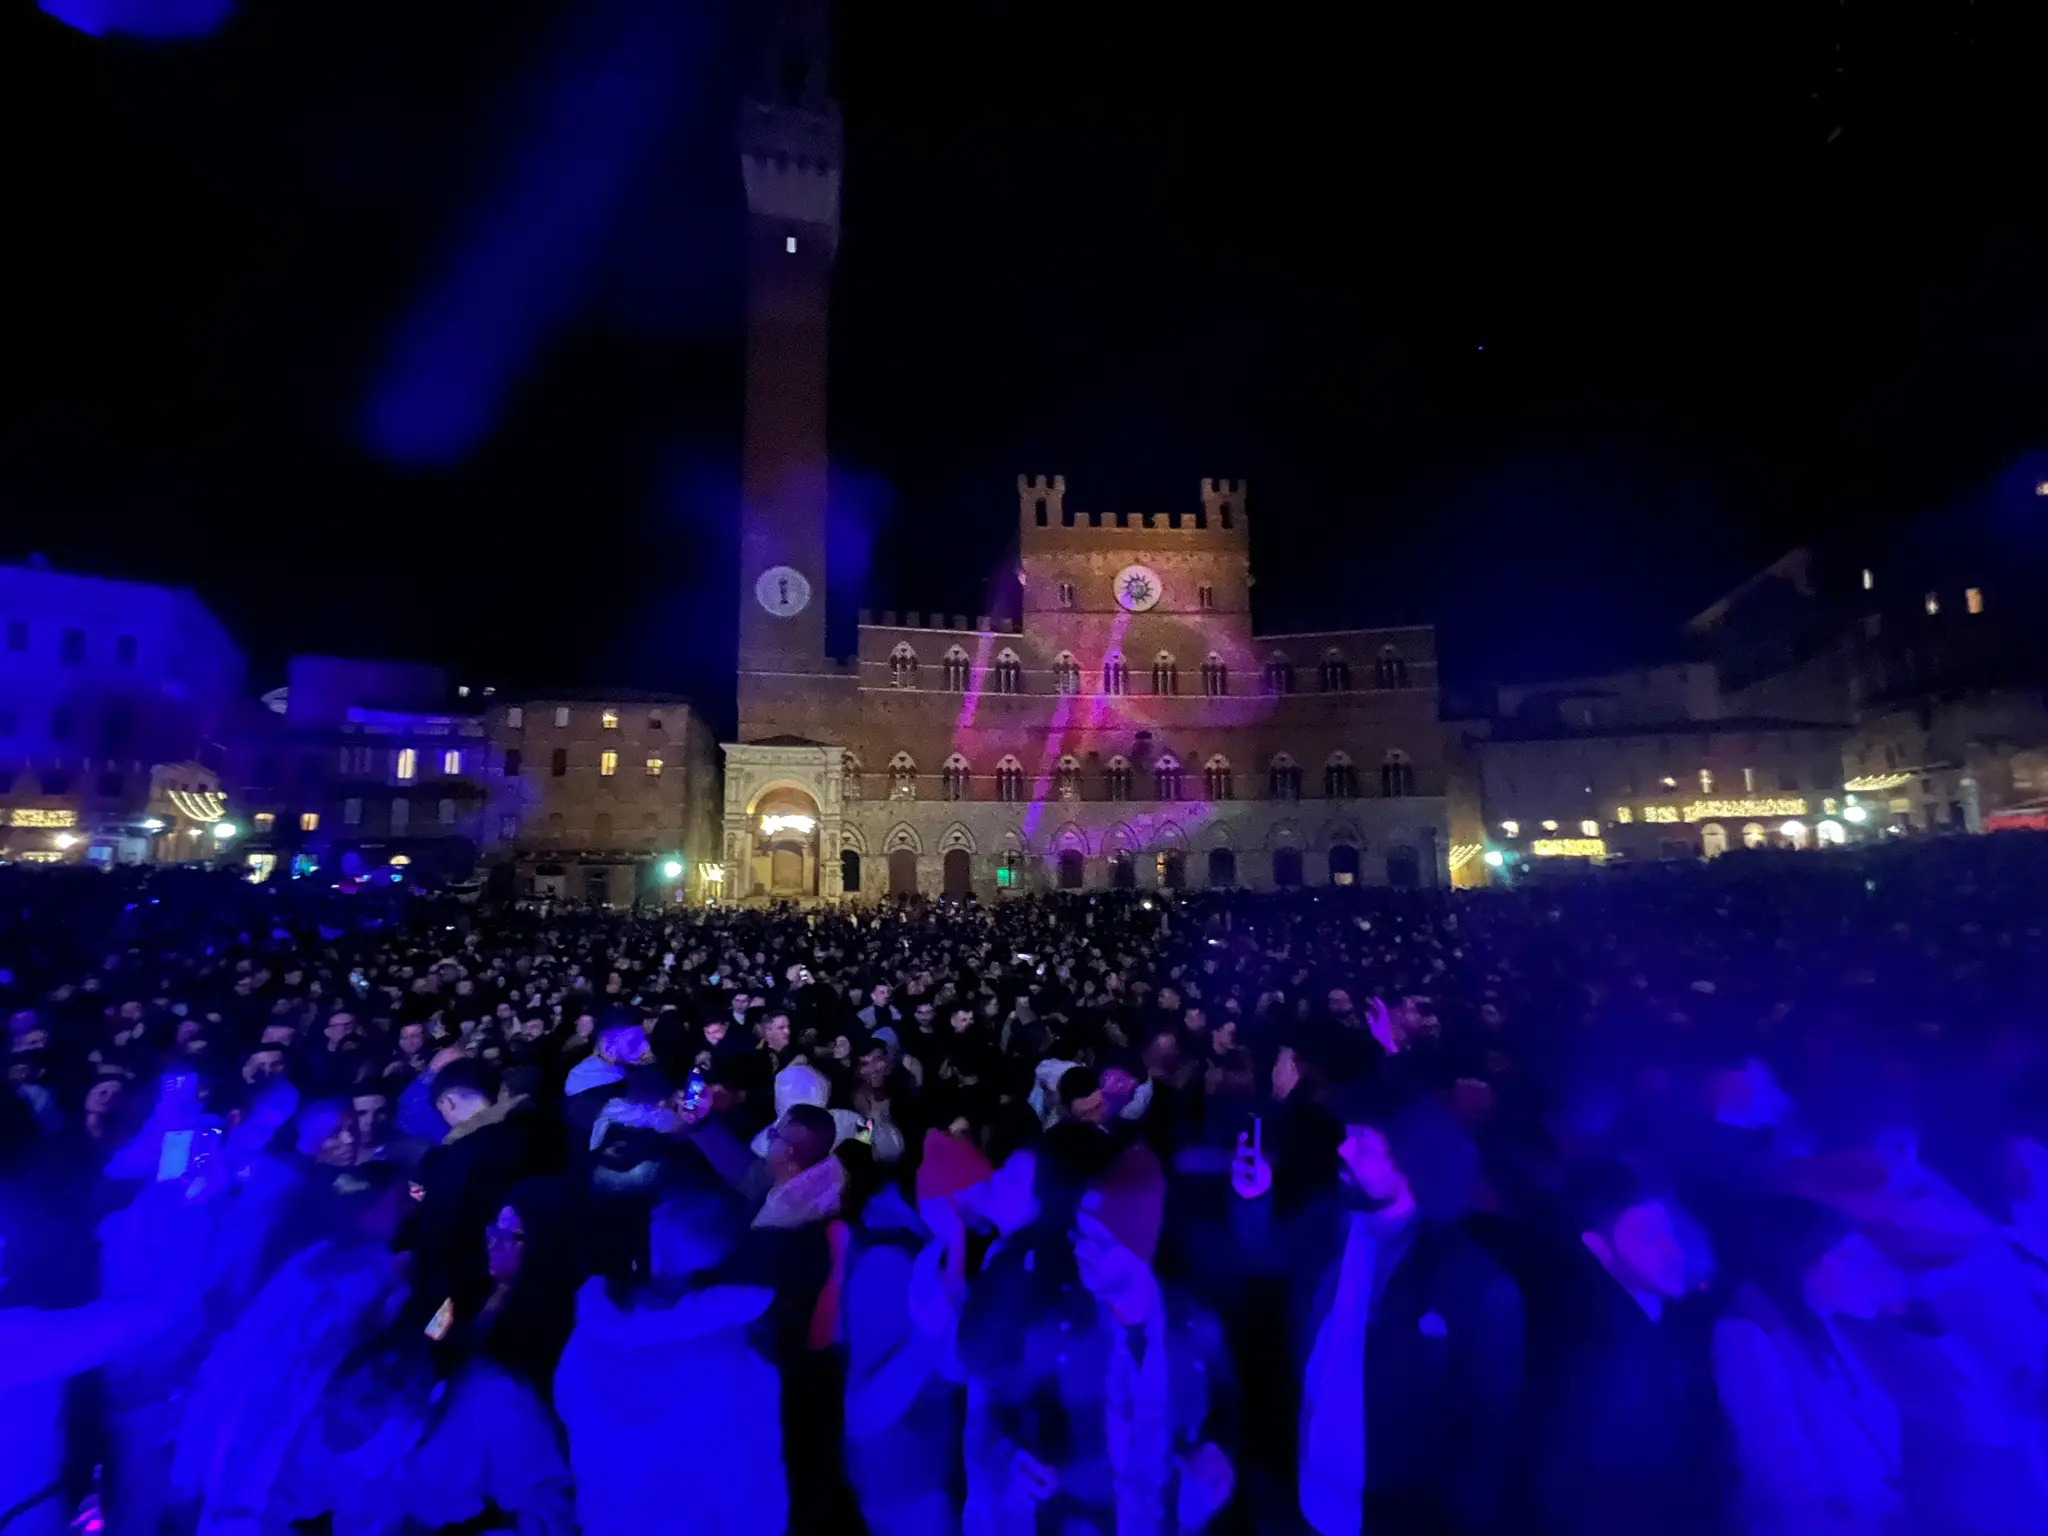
[{"x": 790, "y": 140}]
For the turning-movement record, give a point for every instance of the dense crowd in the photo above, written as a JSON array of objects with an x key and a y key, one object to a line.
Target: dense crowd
[{"x": 1702, "y": 1200}]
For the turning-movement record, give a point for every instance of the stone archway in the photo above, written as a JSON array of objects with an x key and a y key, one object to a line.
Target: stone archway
[
  {"x": 958, "y": 874},
  {"x": 785, "y": 859}
]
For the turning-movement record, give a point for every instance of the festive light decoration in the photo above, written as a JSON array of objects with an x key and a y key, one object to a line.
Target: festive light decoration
[
  {"x": 803, "y": 826},
  {"x": 39, "y": 856},
  {"x": 1569, "y": 848},
  {"x": 35, "y": 818},
  {"x": 1660, "y": 813},
  {"x": 1872, "y": 783},
  {"x": 1495, "y": 858},
  {"x": 198, "y": 804},
  {"x": 1463, "y": 854},
  {"x": 1623, "y": 815},
  {"x": 1751, "y": 805}
]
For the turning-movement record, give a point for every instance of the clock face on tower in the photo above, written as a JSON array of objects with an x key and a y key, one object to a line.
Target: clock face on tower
[
  {"x": 1138, "y": 587},
  {"x": 783, "y": 590}
]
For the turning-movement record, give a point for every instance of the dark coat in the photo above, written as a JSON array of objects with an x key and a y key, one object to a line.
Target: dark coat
[
  {"x": 1443, "y": 1364},
  {"x": 465, "y": 1181}
]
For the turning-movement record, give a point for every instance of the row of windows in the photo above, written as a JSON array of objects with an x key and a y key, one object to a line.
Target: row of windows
[
  {"x": 71, "y": 645},
  {"x": 117, "y": 727},
  {"x": 446, "y": 815},
  {"x": 1006, "y": 673},
  {"x": 1167, "y": 778},
  {"x": 558, "y": 764},
  {"x": 607, "y": 719}
]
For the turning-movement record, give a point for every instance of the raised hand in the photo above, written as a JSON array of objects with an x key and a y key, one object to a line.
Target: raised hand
[{"x": 1251, "y": 1176}]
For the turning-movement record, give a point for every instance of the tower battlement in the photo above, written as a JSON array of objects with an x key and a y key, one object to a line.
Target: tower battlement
[
  {"x": 790, "y": 159},
  {"x": 1045, "y": 516}
]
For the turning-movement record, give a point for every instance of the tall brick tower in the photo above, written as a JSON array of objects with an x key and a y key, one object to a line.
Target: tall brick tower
[{"x": 790, "y": 153}]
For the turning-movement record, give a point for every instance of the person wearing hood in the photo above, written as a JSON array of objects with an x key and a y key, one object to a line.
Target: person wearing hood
[
  {"x": 801, "y": 1084},
  {"x": 673, "y": 1364}
]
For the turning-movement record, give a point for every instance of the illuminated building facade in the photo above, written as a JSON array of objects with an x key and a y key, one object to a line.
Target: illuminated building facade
[
  {"x": 1130, "y": 729},
  {"x": 607, "y": 798},
  {"x": 102, "y": 683}
]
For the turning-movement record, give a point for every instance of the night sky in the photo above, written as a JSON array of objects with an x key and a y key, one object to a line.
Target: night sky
[{"x": 412, "y": 329}]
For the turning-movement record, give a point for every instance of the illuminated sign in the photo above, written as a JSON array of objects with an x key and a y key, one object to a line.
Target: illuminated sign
[
  {"x": 1753, "y": 805},
  {"x": 33, "y": 818},
  {"x": 803, "y": 826},
  {"x": 1569, "y": 848},
  {"x": 1660, "y": 813}
]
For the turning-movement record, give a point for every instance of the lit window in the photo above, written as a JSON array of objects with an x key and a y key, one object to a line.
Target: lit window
[
  {"x": 1973, "y": 599},
  {"x": 654, "y": 767},
  {"x": 515, "y": 717},
  {"x": 1749, "y": 781},
  {"x": 609, "y": 719},
  {"x": 451, "y": 762},
  {"x": 1511, "y": 829},
  {"x": 789, "y": 244},
  {"x": 1869, "y": 578},
  {"x": 462, "y": 691},
  {"x": 1667, "y": 782},
  {"x": 1550, "y": 826},
  {"x": 607, "y": 763},
  {"x": 1589, "y": 828},
  {"x": 309, "y": 821},
  {"x": 1933, "y": 602},
  {"x": 1623, "y": 815},
  {"x": 408, "y": 762},
  {"x": 562, "y": 715},
  {"x": 265, "y": 820},
  {"x": 2041, "y": 488},
  {"x": 1706, "y": 781}
]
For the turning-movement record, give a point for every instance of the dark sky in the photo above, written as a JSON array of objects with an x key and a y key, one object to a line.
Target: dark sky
[{"x": 412, "y": 329}]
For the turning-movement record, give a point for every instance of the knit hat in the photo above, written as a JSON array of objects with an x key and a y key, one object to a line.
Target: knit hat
[{"x": 950, "y": 1165}]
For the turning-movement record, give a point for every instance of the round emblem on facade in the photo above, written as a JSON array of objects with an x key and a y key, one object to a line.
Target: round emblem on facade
[
  {"x": 783, "y": 590},
  {"x": 1137, "y": 588}
]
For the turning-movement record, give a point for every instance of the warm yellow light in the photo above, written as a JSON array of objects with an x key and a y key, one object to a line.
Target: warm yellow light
[
  {"x": 1623, "y": 814},
  {"x": 451, "y": 762},
  {"x": 35, "y": 818},
  {"x": 309, "y": 821},
  {"x": 1568, "y": 848},
  {"x": 265, "y": 820},
  {"x": 1550, "y": 826},
  {"x": 609, "y": 719},
  {"x": 1874, "y": 783},
  {"x": 1933, "y": 602},
  {"x": 654, "y": 767},
  {"x": 1589, "y": 827},
  {"x": 196, "y": 804},
  {"x": 39, "y": 856},
  {"x": 801, "y": 825},
  {"x": 1973, "y": 599},
  {"x": 1511, "y": 829},
  {"x": 1660, "y": 813},
  {"x": 1751, "y": 805},
  {"x": 1869, "y": 578},
  {"x": 400, "y": 860},
  {"x": 607, "y": 763},
  {"x": 408, "y": 763},
  {"x": 1463, "y": 854},
  {"x": 713, "y": 874}
]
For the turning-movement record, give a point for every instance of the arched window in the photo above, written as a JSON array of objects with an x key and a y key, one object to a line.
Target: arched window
[
  {"x": 1165, "y": 674},
  {"x": 1390, "y": 669},
  {"x": 1066, "y": 673},
  {"x": 903, "y": 666},
  {"x": 1009, "y": 673},
  {"x": 1279, "y": 674},
  {"x": 1166, "y": 777},
  {"x": 1754, "y": 835},
  {"x": 1336, "y": 672},
  {"x": 1216, "y": 783},
  {"x": 1009, "y": 781},
  {"x": 1397, "y": 775},
  {"x": 1117, "y": 778},
  {"x": 1069, "y": 782},
  {"x": 958, "y": 670},
  {"x": 1215, "y": 676},
  {"x": 902, "y": 777},
  {"x": 955, "y": 778},
  {"x": 1116, "y": 677},
  {"x": 1283, "y": 778},
  {"x": 1340, "y": 778}
]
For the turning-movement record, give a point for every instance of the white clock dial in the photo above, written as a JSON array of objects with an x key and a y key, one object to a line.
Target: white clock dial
[
  {"x": 783, "y": 590},
  {"x": 1138, "y": 587}
]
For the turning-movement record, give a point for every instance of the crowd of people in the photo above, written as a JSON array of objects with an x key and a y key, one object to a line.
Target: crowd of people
[{"x": 1693, "y": 1200}]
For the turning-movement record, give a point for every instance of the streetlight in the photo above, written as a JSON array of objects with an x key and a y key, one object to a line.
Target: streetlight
[
  {"x": 64, "y": 840},
  {"x": 223, "y": 830},
  {"x": 672, "y": 869},
  {"x": 153, "y": 825},
  {"x": 1855, "y": 813},
  {"x": 1495, "y": 858}
]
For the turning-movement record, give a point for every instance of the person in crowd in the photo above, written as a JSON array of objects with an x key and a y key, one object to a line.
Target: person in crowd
[
  {"x": 1408, "y": 1337},
  {"x": 489, "y": 1148},
  {"x": 684, "y": 1328},
  {"x": 600, "y": 1078}
]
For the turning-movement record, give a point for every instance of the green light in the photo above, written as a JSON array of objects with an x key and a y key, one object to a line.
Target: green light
[{"x": 672, "y": 870}]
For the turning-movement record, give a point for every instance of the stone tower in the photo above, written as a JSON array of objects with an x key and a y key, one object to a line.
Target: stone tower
[{"x": 790, "y": 153}]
